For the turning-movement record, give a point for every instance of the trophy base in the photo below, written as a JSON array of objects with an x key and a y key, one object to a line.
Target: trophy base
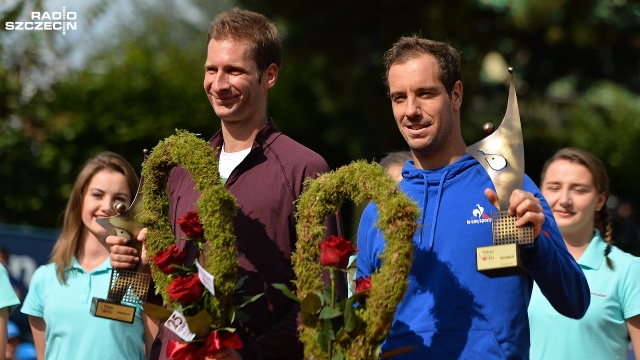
[
  {"x": 112, "y": 310},
  {"x": 499, "y": 260}
]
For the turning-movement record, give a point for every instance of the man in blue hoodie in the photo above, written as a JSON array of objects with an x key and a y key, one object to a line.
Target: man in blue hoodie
[{"x": 450, "y": 310}]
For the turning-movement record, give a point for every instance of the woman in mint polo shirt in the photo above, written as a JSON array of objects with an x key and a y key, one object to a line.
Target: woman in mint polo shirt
[
  {"x": 576, "y": 186},
  {"x": 60, "y": 293}
]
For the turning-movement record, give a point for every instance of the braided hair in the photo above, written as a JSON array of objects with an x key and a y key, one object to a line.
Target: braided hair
[{"x": 602, "y": 218}]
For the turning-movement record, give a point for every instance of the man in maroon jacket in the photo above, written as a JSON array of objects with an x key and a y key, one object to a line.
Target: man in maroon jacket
[{"x": 263, "y": 168}]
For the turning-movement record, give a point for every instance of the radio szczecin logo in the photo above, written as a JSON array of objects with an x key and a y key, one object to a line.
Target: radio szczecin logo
[{"x": 46, "y": 20}]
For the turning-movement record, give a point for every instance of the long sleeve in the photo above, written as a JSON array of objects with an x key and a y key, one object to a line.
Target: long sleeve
[{"x": 367, "y": 259}]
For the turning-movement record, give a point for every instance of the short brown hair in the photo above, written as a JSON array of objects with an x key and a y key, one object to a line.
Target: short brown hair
[
  {"x": 257, "y": 29},
  {"x": 411, "y": 47}
]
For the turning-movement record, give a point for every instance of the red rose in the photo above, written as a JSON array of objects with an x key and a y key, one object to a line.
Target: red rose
[
  {"x": 219, "y": 339},
  {"x": 363, "y": 285},
  {"x": 185, "y": 288},
  {"x": 335, "y": 252},
  {"x": 171, "y": 255},
  {"x": 190, "y": 224}
]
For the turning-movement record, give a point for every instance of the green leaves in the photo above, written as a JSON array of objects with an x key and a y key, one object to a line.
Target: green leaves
[
  {"x": 312, "y": 303},
  {"x": 200, "y": 324},
  {"x": 350, "y": 313},
  {"x": 335, "y": 316},
  {"x": 328, "y": 312},
  {"x": 286, "y": 292},
  {"x": 157, "y": 312}
]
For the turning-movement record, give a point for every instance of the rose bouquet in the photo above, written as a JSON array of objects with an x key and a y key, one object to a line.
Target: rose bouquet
[
  {"x": 335, "y": 313},
  {"x": 346, "y": 330},
  {"x": 203, "y": 319},
  {"x": 190, "y": 288}
]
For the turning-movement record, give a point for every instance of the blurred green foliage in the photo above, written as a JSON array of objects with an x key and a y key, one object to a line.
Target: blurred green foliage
[{"x": 576, "y": 67}]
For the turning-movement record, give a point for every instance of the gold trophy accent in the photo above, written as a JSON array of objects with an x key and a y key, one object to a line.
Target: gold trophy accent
[
  {"x": 125, "y": 286},
  {"x": 502, "y": 156}
]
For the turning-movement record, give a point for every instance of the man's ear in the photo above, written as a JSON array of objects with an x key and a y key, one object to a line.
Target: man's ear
[
  {"x": 456, "y": 95},
  {"x": 269, "y": 76}
]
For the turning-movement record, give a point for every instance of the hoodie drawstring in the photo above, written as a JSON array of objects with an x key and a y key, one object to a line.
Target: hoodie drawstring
[
  {"x": 424, "y": 204},
  {"x": 436, "y": 208}
]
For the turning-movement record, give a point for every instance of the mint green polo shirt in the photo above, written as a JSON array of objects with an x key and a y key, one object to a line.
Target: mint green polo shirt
[
  {"x": 8, "y": 297},
  {"x": 72, "y": 332},
  {"x": 602, "y": 332}
]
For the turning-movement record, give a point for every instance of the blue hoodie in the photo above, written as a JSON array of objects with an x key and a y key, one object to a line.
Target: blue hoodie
[{"x": 450, "y": 310}]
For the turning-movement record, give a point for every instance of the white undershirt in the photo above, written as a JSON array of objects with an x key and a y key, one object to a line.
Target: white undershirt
[{"x": 229, "y": 161}]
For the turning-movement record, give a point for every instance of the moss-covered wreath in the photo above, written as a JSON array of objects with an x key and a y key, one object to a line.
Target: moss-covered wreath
[
  {"x": 360, "y": 181},
  {"x": 216, "y": 209}
]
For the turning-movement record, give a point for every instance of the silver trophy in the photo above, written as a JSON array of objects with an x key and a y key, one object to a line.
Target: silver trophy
[{"x": 502, "y": 156}]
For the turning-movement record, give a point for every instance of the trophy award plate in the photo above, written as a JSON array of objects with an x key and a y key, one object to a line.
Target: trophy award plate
[
  {"x": 126, "y": 287},
  {"x": 502, "y": 156}
]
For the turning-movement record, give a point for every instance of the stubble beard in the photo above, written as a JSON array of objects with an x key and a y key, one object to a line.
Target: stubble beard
[{"x": 427, "y": 146}]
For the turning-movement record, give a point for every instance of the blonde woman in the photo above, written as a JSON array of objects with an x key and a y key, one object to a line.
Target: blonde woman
[
  {"x": 60, "y": 293},
  {"x": 576, "y": 185}
]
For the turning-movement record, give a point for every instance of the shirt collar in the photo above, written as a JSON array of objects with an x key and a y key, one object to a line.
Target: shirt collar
[
  {"x": 105, "y": 266},
  {"x": 594, "y": 254}
]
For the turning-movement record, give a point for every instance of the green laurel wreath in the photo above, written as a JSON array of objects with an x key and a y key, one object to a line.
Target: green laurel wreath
[
  {"x": 360, "y": 181},
  {"x": 216, "y": 209}
]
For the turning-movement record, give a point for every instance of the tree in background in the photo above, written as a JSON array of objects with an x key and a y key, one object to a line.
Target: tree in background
[
  {"x": 576, "y": 66},
  {"x": 139, "y": 82}
]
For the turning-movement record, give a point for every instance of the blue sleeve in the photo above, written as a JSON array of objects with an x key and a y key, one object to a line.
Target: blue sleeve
[
  {"x": 630, "y": 292},
  {"x": 368, "y": 236},
  {"x": 34, "y": 301},
  {"x": 556, "y": 272},
  {"x": 8, "y": 297}
]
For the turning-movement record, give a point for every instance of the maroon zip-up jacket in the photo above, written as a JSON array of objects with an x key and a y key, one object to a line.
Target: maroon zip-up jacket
[{"x": 265, "y": 184}]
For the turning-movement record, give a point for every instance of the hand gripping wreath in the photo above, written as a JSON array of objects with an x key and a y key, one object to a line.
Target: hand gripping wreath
[
  {"x": 360, "y": 181},
  {"x": 216, "y": 209}
]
